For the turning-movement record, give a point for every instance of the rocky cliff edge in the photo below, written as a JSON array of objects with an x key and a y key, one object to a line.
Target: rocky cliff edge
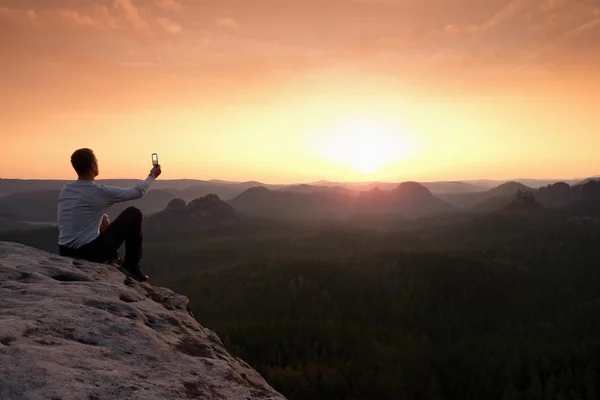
[{"x": 73, "y": 330}]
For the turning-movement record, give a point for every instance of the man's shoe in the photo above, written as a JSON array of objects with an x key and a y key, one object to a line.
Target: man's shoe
[
  {"x": 116, "y": 259},
  {"x": 134, "y": 272}
]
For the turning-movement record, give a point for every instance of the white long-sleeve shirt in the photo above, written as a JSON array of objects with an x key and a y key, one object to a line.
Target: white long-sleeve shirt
[{"x": 82, "y": 204}]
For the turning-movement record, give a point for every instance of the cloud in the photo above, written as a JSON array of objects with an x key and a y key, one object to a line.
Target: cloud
[
  {"x": 452, "y": 30},
  {"x": 587, "y": 26},
  {"x": 226, "y": 22},
  {"x": 132, "y": 14},
  {"x": 170, "y": 5},
  {"x": 17, "y": 14},
  {"x": 506, "y": 12},
  {"x": 414, "y": 39},
  {"x": 380, "y": 2},
  {"x": 169, "y": 26},
  {"x": 78, "y": 19}
]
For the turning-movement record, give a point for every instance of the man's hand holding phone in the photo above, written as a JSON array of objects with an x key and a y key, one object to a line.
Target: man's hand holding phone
[{"x": 155, "y": 171}]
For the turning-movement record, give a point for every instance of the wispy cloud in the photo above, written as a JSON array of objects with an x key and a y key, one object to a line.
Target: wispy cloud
[
  {"x": 169, "y": 26},
  {"x": 17, "y": 13},
  {"x": 132, "y": 14},
  {"x": 226, "y": 22},
  {"x": 170, "y": 5},
  {"x": 77, "y": 18},
  {"x": 118, "y": 15},
  {"x": 507, "y": 11},
  {"x": 380, "y": 2},
  {"x": 414, "y": 38},
  {"x": 587, "y": 26}
]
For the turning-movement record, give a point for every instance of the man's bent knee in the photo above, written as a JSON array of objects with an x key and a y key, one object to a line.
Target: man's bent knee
[{"x": 134, "y": 213}]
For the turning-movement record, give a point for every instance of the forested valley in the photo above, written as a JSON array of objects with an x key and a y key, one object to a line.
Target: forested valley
[{"x": 498, "y": 307}]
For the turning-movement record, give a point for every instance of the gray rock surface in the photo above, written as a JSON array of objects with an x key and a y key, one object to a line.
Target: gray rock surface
[{"x": 73, "y": 330}]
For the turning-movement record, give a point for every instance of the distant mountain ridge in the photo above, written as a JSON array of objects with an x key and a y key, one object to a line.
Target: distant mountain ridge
[
  {"x": 407, "y": 199},
  {"x": 555, "y": 195},
  {"x": 190, "y": 189}
]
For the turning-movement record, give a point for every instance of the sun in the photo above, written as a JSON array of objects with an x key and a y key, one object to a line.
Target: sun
[{"x": 366, "y": 145}]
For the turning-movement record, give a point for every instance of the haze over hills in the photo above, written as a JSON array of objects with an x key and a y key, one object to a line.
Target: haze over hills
[
  {"x": 469, "y": 200},
  {"x": 265, "y": 202},
  {"x": 313, "y": 201},
  {"x": 41, "y": 206},
  {"x": 194, "y": 188},
  {"x": 11, "y": 186},
  {"x": 447, "y": 187}
]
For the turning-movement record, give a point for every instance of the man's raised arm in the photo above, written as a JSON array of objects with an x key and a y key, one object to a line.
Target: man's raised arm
[{"x": 117, "y": 194}]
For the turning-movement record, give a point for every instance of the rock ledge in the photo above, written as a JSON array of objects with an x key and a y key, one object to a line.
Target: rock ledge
[{"x": 73, "y": 330}]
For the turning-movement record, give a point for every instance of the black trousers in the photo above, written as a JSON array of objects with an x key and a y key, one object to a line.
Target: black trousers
[{"x": 126, "y": 228}]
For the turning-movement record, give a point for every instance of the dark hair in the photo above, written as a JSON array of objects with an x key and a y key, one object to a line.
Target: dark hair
[{"x": 83, "y": 161}]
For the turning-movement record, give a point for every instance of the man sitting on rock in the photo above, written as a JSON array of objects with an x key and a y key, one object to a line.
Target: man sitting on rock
[{"x": 84, "y": 231}]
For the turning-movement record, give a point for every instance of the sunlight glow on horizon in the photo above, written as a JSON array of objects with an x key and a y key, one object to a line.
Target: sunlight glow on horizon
[
  {"x": 318, "y": 137},
  {"x": 310, "y": 91},
  {"x": 365, "y": 144}
]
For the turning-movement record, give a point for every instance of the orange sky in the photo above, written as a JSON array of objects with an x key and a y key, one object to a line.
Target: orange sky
[{"x": 302, "y": 90}]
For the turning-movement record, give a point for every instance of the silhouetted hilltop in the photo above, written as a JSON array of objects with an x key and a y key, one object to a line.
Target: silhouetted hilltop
[
  {"x": 592, "y": 178},
  {"x": 212, "y": 209},
  {"x": 501, "y": 194},
  {"x": 176, "y": 205},
  {"x": 559, "y": 194},
  {"x": 508, "y": 189},
  {"x": 591, "y": 189},
  {"x": 205, "y": 213},
  {"x": 586, "y": 200},
  {"x": 408, "y": 198}
]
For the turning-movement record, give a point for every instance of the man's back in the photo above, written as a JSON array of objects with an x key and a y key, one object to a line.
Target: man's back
[{"x": 82, "y": 204}]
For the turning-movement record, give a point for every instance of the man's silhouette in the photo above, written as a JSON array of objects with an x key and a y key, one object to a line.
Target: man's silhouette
[{"x": 81, "y": 215}]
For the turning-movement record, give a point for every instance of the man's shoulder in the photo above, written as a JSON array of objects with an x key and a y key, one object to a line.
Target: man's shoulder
[
  {"x": 101, "y": 187},
  {"x": 66, "y": 186},
  {"x": 80, "y": 186}
]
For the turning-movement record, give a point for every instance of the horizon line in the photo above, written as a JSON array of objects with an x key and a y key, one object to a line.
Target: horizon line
[{"x": 556, "y": 180}]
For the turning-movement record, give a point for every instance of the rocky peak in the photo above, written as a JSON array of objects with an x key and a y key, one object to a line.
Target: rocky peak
[
  {"x": 205, "y": 213},
  {"x": 176, "y": 205},
  {"x": 78, "y": 330},
  {"x": 206, "y": 202},
  {"x": 411, "y": 188}
]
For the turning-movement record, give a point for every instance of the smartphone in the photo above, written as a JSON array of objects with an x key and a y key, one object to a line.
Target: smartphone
[{"x": 154, "y": 159}]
